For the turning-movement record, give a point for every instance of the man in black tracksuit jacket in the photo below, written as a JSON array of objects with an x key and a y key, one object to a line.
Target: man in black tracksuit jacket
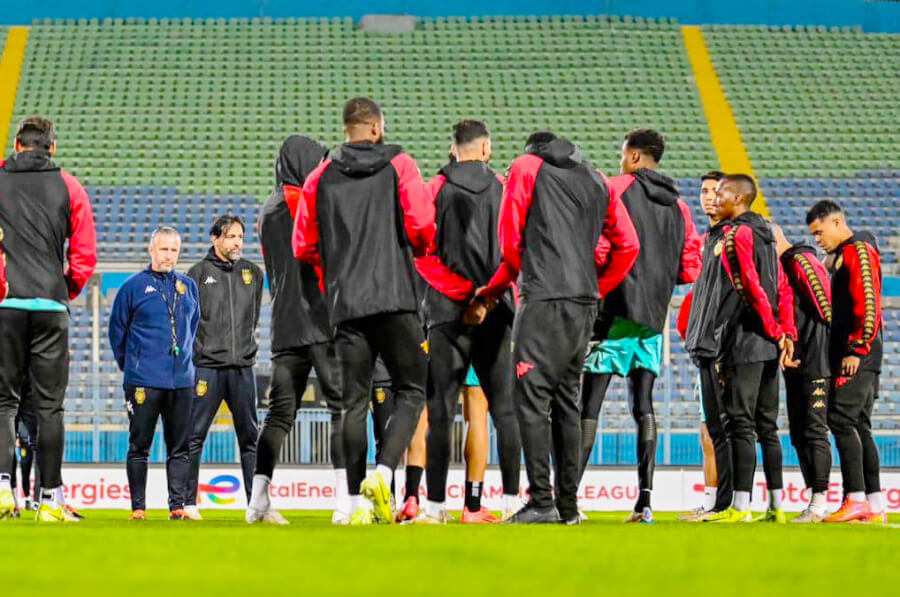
[
  {"x": 362, "y": 218},
  {"x": 301, "y": 335},
  {"x": 807, "y": 386},
  {"x": 467, "y": 195},
  {"x": 569, "y": 245},
  {"x": 757, "y": 318},
  {"x": 225, "y": 349},
  {"x": 628, "y": 338}
]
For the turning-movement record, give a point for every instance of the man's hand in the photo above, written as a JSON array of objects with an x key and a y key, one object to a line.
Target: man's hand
[
  {"x": 786, "y": 360},
  {"x": 849, "y": 366},
  {"x": 478, "y": 308}
]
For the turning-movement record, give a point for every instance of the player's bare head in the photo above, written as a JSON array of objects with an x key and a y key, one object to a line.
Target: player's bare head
[
  {"x": 735, "y": 194},
  {"x": 36, "y": 134},
  {"x": 227, "y": 236},
  {"x": 827, "y": 224},
  {"x": 363, "y": 121},
  {"x": 642, "y": 148},
  {"x": 165, "y": 246},
  {"x": 538, "y": 138},
  {"x": 782, "y": 243},
  {"x": 471, "y": 141},
  {"x": 708, "y": 184}
]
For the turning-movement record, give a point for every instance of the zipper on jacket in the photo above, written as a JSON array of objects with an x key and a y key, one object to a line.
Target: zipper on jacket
[{"x": 231, "y": 306}]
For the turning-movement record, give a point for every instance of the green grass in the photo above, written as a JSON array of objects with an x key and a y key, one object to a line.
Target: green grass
[{"x": 223, "y": 556}]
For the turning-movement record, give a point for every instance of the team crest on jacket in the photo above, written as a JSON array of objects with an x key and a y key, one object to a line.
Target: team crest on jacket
[
  {"x": 202, "y": 388},
  {"x": 380, "y": 395},
  {"x": 1, "y": 234},
  {"x": 424, "y": 346},
  {"x": 140, "y": 395},
  {"x": 179, "y": 287},
  {"x": 717, "y": 250},
  {"x": 247, "y": 276},
  {"x": 838, "y": 262}
]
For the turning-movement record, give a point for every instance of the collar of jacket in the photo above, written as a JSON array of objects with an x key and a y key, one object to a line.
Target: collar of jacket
[
  {"x": 166, "y": 277},
  {"x": 214, "y": 259},
  {"x": 30, "y": 161}
]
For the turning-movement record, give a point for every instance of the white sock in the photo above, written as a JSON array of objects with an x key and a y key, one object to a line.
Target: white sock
[
  {"x": 53, "y": 496},
  {"x": 259, "y": 493},
  {"x": 358, "y": 502},
  {"x": 511, "y": 502},
  {"x": 817, "y": 503},
  {"x": 343, "y": 493},
  {"x": 741, "y": 501},
  {"x": 5, "y": 483},
  {"x": 709, "y": 497},
  {"x": 876, "y": 502},
  {"x": 776, "y": 498},
  {"x": 386, "y": 472},
  {"x": 857, "y": 496},
  {"x": 434, "y": 509}
]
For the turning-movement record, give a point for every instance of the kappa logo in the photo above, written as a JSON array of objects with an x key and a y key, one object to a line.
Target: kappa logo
[
  {"x": 819, "y": 392},
  {"x": 523, "y": 368},
  {"x": 210, "y": 280},
  {"x": 149, "y": 289},
  {"x": 819, "y": 404}
]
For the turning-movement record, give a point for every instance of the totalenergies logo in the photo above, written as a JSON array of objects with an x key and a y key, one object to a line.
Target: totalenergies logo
[{"x": 220, "y": 486}]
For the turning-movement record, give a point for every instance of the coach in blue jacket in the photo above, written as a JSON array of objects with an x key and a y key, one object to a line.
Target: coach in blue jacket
[{"x": 151, "y": 330}]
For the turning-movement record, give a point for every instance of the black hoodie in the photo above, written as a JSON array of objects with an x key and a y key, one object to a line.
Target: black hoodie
[
  {"x": 362, "y": 217},
  {"x": 757, "y": 304},
  {"x": 466, "y": 198},
  {"x": 703, "y": 327},
  {"x": 230, "y": 297},
  {"x": 555, "y": 208},
  {"x": 299, "y": 314},
  {"x": 812, "y": 310},
  {"x": 670, "y": 250}
]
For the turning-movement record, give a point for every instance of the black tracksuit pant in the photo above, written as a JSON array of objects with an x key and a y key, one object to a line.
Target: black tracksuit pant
[
  {"x": 34, "y": 345},
  {"x": 850, "y": 420},
  {"x": 290, "y": 374},
  {"x": 452, "y": 348},
  {"x": 400, "y": 341},
  {"x": 711, "y": 393},
  {"x": 751, "y": 402},
  {"x": 145, "y": 406},
  {"x": 807, "y": 408},
  {"x": 237, "y": 387},
  {"x": 550, "y": 340},
  {"x": 26, "y": 432}
]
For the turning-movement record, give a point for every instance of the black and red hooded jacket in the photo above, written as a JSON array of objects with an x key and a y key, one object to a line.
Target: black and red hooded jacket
[
  {"x": 561, "y": 234},
  {"x": 299, "y": 314},
  {"x": 701, "y": 325},
  {"x": 44, "y": 210},
  {"x": 856, "y": 325},
  {"x": 812, "y": 309},
  {"x": 4, "y": 287},
  {"x": 363, "y": 217},
  {"x": 670, "y": 249},
  {"x": 757, "y": 303},
  {"x": 466, "y": 198}
]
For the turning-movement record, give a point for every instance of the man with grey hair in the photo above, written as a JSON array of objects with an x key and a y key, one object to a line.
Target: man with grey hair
[{"x": 151, "y": 330}]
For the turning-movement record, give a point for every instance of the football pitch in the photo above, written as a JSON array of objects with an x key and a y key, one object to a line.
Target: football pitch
[{"x": 222, "y": 555}]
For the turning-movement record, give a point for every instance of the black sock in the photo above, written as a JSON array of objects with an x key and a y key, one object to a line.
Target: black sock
[
  {"x": 643, "y": 500},
  {"x": 413, "y": 479},
  {"x": 473, "y": 496}
]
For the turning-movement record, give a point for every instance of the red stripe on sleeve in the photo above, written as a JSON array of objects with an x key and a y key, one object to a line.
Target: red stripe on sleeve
[
  {"x": 418, "y": 211},
  {"x": 737, "y": 259},
  {"x": 812, "y": 283},
  {"x": 617, "y": 248},
  {"x": 786, "y": 305},
  {"x": 305, "y": 240},
  {"x": 82, "y": 254},
  {"x": 517, "y": 196},
  {"x": 684, "y": 314},
  {"x": 864, "y": 267},
  {"x": 692, "y": 254}
]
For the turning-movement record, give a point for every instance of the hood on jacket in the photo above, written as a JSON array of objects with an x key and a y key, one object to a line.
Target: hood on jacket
[
  {"x": 214, "y": 259},
  {"x": 657, "y": 187},
  {"x": 364, "y": 159},
  {"x": 298, "y": 157},
  {"x": 798, "y": 250},
  {"x": 29, "y": 161},
  {"x": 559, "y": 152},
  {"x": 758, "y": 224},
  {"x": 474, "y": 177}
]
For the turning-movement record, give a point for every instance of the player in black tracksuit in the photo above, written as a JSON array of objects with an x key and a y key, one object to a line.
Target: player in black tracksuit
[
  {"x": 569, "y": 245},
  {"x": 757, "y": 317},
  {"x": 301, "y": 335},
  {"x": 628, "y": 334},
  {"x": 467, "y": 195},
  {"x": 362, "y": 218},
  {"x": 225, "y": 349},
  {"x": 855, "y": 355},
  {"x": 807, "y": 386}
]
